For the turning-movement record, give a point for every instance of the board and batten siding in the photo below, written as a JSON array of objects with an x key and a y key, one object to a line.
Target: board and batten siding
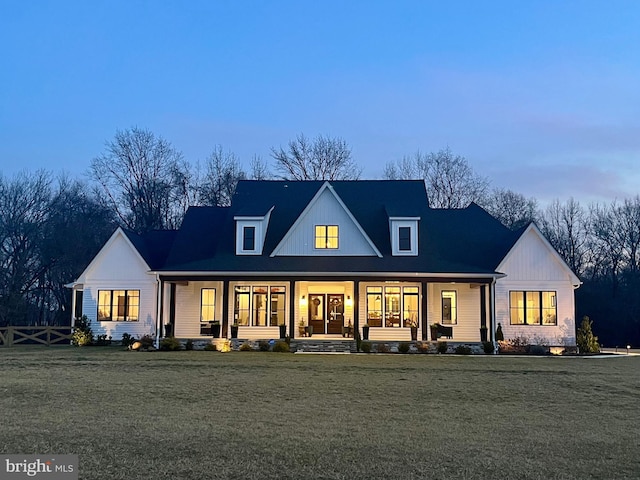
[
  {"x": 326, "y": 210},
  {"x": 119, "y": 267},
  {"x": 187, "y": 301},
  {"x": 467, "y": 328},
  {"x": 532, "y": 266}
]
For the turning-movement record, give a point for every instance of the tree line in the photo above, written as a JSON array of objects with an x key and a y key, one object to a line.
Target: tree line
[{"x": 51, "y": 227}]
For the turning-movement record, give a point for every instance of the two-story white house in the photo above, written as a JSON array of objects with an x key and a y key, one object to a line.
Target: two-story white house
[{"x": 330, "y": 255}]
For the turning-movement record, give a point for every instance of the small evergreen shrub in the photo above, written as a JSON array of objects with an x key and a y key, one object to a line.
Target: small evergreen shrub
[
  {"x": 586, "y": 340},
  {"x": 264, "y": 346},
  {"x": 404, "y": 347},
  {"x": 499, "y": 334},
  {"x": 147, "y": 341},
  {"x": 358, "y": 341},
  {"x": 211, "y": 347},
  {"x": 382, "y": 348},
  {"x": 463, "y": 350},
  {"x": 127, "y": 340},
  {"x": 102, "y": 340},
  {"x": 246, "y": 347},
  {"x": 189, "y": 345},
  {"x": 82, "y": 333},
  {"x": 365, "y": 346},
  {"x": 487, "y": 347},
  {"x": 538, "y": 350},
  {"x": 442, "y": 347},
  {"x": 170, "y": 344},
  {"x": 281, "y": 347}
]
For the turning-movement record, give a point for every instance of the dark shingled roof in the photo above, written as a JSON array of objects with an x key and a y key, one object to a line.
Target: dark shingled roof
[
  {"x": 153, "y": 246},
  {"x": 468, "y": 240}
]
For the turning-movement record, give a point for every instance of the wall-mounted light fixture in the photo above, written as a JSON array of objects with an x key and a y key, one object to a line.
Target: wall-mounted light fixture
[
  {"x": 303, "y": 300},
  {"x": 349, "y": 301}
]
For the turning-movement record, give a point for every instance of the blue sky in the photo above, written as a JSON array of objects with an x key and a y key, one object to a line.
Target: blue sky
[{"x": 541, "y": 97}]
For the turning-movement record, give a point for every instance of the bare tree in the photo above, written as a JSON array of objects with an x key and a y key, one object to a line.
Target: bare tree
[
  {"x": 322, "y": 158},
  {"x": 513, "y": 209},
  {"x": 222, "y": 172},
  {"x": 143, "y": 179},
  {"x": 449, "y": 179},
  {"x": 259, "y": 169}
]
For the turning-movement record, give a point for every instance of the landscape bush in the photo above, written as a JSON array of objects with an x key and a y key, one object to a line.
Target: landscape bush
[
  {"x": 586, "y": 340},
  {"x": 82, "y": 333},
  {"x": 246, "y": 347},
  {"x": 170, "y": 344},
  {"x": 281, "y": 347},
  {"x": 404, "y": 347},
  {"x": 463, "y": 350},
  {"x": 382, "y": 348},
  {"x": 264, "y": 346},
  {"x": 127, "y": 340},
  {"x": 442, "y": 347},
  {"x": 365, "y": 346},
  {"x": 487, "y": 347}
]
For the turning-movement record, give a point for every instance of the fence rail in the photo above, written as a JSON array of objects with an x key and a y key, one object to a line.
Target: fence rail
[{"x": 34, "y": 335}]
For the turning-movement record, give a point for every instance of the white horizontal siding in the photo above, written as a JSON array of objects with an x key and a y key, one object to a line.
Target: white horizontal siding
[
  {"x": 146, "y": 324},
  {"x": 257, "y": 333},
  {"x": 326, "y": 211},
  {"x": 391, "y": 334},
  {"x": 467, "y": 328},
  {"x": 188, "y": 298},
  {"x": 561, "y": 334}
]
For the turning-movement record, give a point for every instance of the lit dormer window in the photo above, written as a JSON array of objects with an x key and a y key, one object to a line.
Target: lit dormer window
[{"x": 326, "y": 237}]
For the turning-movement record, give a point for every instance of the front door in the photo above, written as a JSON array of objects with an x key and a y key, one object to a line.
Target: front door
[{"x": 326, "y": 313}]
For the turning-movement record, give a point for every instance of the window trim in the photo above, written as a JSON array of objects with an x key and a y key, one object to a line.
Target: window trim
[
  {"x": 113, "y": 306},
  {"x": 397, "y": 223},
  {"x": 379, "y": 294},
  {"x": 541, "y": 308},
  {"x": 278, "y": 290},
  {"x": 454, "y": 307}
]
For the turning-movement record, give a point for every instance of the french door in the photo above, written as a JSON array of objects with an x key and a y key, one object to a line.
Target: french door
[{"x": 326, "y": 313}]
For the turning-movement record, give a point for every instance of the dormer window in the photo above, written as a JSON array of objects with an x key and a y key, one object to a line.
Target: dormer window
[
  {"x": 326, "y": 237},
  {"x": 404, "y": 235},
  {"x": 249, "y": 238}
]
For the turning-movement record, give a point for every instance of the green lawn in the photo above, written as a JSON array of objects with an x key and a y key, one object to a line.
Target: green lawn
[{"x": 246, "y": 415}]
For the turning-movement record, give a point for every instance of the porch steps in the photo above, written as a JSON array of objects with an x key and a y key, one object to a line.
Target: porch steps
[{"x": 323, "y": 346}]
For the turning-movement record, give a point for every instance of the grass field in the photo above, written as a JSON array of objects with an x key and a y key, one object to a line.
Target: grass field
[{"x": 198, "y": 415}]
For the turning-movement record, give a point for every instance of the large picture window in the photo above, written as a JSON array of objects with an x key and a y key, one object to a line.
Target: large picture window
[
  {"x": 326, "y": 236},
  {"x": 449, "y": 307},
  {"x": 208, "y": 305},
  {"x": 259, "y": 306},
  {"x": 118, "y": 305},
  {"x": 397, "y": 306},
  {"x": 532, "y": 308}
]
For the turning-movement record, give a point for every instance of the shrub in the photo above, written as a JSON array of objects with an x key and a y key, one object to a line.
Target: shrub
[
  {"x": 82, "y": 334},
  {"x": 537, "y": 350},
  {"x": 365, "y": 346},
  {"x": 586, "y": 340},
  {"x": 499, "y": 334},
  {"x": 423, "y": 347},
  {"x": 463, "y": 350},
  {"x": 127, "y": 340},
  {"x": 211, "y": 347},
  {"x": 358, "y": 341},
  {"x": 147, "y": 341},
  {"x": 189, "y": 345},
  {"x": 281, "y": 347},
  {"x": 442, "y": 347},
  {"x": 170, "y": 344},
  {"x": 264, "y": 346},
  {"x": 487, "y": 347},
  {"x": 404, "y": 347},
  {"x": 246, "y": 347},
  {"x": 382, "y": 348},
  {"x": 102, "y": 340}
]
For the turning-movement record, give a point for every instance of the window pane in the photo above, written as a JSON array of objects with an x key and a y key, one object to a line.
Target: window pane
[
  {"x": 277, "y": 307},
  {"x": 241, "y": 310},
  {"x": 104, "y": 305},
  {"x": 133, "y": 305},
  {"x": 449, "y": 307},
  {"x": 392, "y": 306},
  {"x": 332, "y": 236},
  {"x": 119, "y": 305},
  {"x": 532, "y": 315},
  {"x": 374, "y": 306},
  {"x": 404, "y": 238},
  {"x": 516, "y": 300},
  {"x": 249, "y": 238},
  {"x": 208, "y": 305},
  {"x": 321, "y": 236},
  {"x": 410, "y": 307},
  {"x": 260, "y": 306},
  {"x": 549, "y": 314}
]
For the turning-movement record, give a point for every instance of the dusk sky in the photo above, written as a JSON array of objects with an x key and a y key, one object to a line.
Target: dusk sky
[{"x": 542, "y": 97}]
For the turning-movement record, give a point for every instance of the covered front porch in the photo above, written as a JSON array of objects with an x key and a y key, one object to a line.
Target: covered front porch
[{"x": 326, "y": 308}]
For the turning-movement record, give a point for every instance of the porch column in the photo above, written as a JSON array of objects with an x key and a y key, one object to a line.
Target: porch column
[
  {"x": 425, "y": 305},
  {"x": 225, "y": 309},
  {"x": 172, "y": 309},
  {"x": 356, "y": 306},
  {"x": 492, "y": 308},
  {"x": 292, "y": 309},
  {"x": 161, "y": 309},
  {"x": 483, "y": 307}
]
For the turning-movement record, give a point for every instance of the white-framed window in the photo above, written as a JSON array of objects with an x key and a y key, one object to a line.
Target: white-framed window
[
  {"x": 249, "y": 237},
  {"x": 207, "y": 304},
  {"x": 259, "y": 305},
  {"x": 533, "y": 308},
  {"x": 326, "y": 237},
  {"x": 404, "y": 236},
  {"x": 118, "y": 305},
  {"x": 449, "y": 299},
  {"x": 393, "y": 306}
]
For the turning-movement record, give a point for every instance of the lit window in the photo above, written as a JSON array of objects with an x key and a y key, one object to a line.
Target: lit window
[
  {"x": 399, "y": 307},
  {"x": 532, "y": 308},
  {"x": 326, "y": 236},
  {"x": 259, "y": 306},
  {"x": 208, "y": 305},
  {"x": 449, "y": 307},
  {"x": 118, "y": 305}
]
